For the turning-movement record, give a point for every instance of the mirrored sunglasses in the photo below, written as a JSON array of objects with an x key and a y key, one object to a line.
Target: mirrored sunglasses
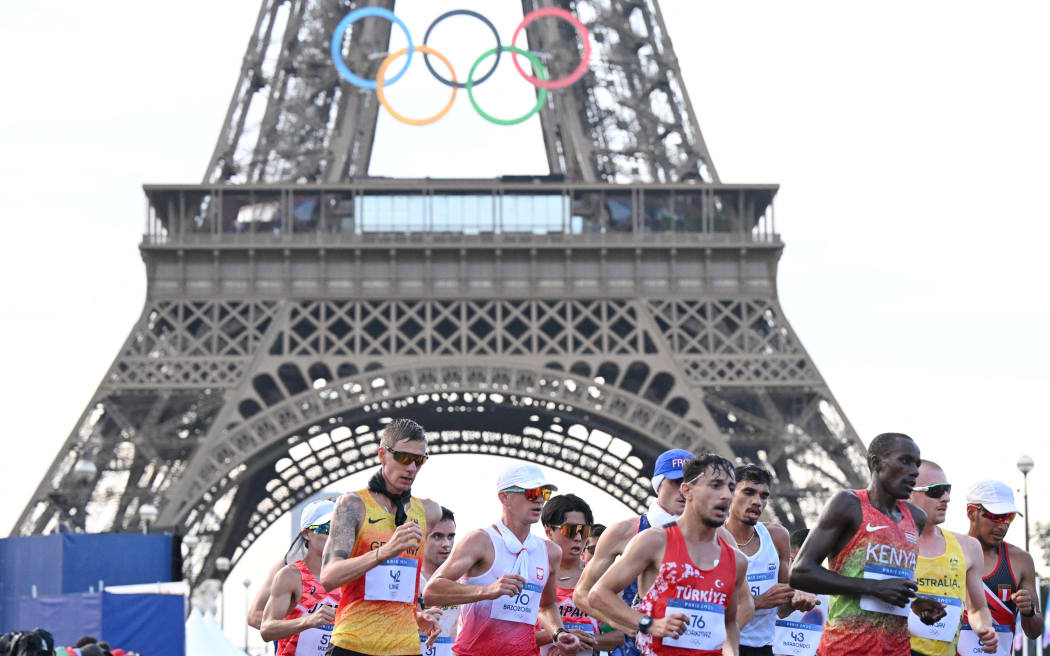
[
  {"x": 1005, "y": 518},
  {"x": 321, "y": 528},
  {"x": 935, "y": 490},
  {"x": 590, "y": 548},
  {"x": 533, "y": 494},
  {"x": 406, "y": 457},
  {"x": 572, "y": 530}
]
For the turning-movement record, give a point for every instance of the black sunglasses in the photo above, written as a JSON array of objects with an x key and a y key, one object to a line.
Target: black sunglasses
[{"x": 934, "y": 491}]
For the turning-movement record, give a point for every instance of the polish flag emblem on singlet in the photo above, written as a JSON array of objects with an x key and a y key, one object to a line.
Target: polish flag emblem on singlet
[{"x": 539, "y": 573}]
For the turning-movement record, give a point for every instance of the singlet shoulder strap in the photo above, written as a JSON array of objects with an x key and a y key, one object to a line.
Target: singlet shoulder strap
[
  {"x": 643, "y": 522},
  {"x": 1004, "y": 554},
  {"x": 865, "y": 500},
  {"x": 729, "y": 552},
  {"x": 950, "y": 541}
]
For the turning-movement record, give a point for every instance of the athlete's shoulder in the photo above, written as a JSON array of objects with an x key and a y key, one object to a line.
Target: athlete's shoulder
[
  {"x": 623, "y": 530},
  {"x": 288, "y": 578},
  {"x": 652, "y": 537},
  {"x": 843, "y": 504},
  {"x": 553, "y": 550},
  {"x": 776, "y": 530},
  {"x": 1019, "y": 558},
  {"x": 917, "y": 513},
  {"x": 971, "y": 548}
]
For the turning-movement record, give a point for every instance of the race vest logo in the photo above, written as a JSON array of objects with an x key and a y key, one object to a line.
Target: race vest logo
[
  {"x": 1005, "y": 591},
  {"x": 689, "y": 593},
  {"x": 942, "y": 582},
  {"x": 911, "y": 537},
  {"x": 885, "y": 554},
  {"x": 539, "y": 573}
]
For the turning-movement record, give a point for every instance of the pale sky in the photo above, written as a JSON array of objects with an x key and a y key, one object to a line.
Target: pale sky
[{"x": 910, "y": 140}]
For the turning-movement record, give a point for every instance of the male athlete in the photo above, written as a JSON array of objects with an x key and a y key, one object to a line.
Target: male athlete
[
  {"x": 667, "y": 507},
  {"x": 768, "y": 550},
  {"x": 504, "y": 577},
  {"x": 373, "y": 552},
  {"x": 1008, "y": 571},
  {"x": 870, "y": 538},
  {"x": 435, "y": 552},
  {"x": 949, "y": 568},
  {"x": 693, "y": 576},
  {"x": 300, "y": 612},
  {"x": 568, "y": 521}
]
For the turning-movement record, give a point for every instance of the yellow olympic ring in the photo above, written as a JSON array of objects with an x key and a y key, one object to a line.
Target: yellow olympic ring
[{"x": 382, "y": 98}]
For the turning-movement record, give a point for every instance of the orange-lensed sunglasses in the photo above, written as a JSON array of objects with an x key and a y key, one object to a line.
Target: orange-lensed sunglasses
[
  {"x": 532, "y": 494},
  {"x": 406, "y": 457}
]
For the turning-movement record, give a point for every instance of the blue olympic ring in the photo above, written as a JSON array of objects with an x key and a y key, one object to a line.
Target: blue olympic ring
[{"x": 337, "y": 45}]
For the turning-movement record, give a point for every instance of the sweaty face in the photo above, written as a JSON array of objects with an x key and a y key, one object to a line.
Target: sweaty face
[
  {"x": 936, "y": 509},
  {"x": 439, "y": 542},
  {"x": 899, "y": 470},
  {"x": 710, "y": 496},
  {"x": 670, "y": 496},
  {"x": 398, "y": 475},
  {"x": 749, "y": 500},
  {"x": 573, "y": 545}
]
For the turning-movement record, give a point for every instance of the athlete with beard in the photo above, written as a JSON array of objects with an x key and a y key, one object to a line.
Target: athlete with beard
[
  {"x": 373, "y": 553},
  {"x": 435, "y": 552},
  {"x": 1008, "y": 571},
  {"x": 504, "y": 577},
  {"x": 870, "y": 539},
  {"x": 692, "y": 576},
  {"x": 949, "y": 568},
  {"x": 768, "y": 550}
]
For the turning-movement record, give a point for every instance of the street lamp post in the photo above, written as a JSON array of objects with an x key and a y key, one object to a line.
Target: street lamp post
[
  {"x": 1025, "y": 464},
  {"x": 148, "y": 514},
  {"x": 188, "y": 543},
  {"x": 222, "y": 563},
  {"x": 247, "y": 582}
]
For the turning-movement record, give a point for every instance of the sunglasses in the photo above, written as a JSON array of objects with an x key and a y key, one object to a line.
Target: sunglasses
[
  {"x": 572, "y": 530},
  {"x": 407, "y": 457},
  {"x": 322, "y": 529},
  {"x": 934, "y": 490},
  {"x": 532, "y": 494},
  {"x": 1005, "y": 518},
  {"x": 590, "y": 548}
]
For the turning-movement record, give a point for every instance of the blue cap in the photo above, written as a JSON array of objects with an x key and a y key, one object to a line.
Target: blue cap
[{"x": 669, "y": 464}]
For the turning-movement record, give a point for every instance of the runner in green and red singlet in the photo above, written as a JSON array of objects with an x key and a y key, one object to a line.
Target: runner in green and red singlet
[{"x": 870, "y": 539}]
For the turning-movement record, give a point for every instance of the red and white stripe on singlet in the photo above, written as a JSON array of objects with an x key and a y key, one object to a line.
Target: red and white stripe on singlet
[{"x": 313, "y": 596}]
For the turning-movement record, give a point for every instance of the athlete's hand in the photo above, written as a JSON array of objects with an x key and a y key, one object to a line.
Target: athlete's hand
[
  {"x": 894, "y": 591},
  {"x": 989, "y": 639},
  {"x": 568, "y": 641},
  {"x": 587, "y": 640},
  {"x": 804, "y": 601},
  {"x": 324, "y": 614},
  {"x": 780, "y": 593},
  {"x": 427, "y": 622},
  {"x": 507, "y": 585},
  {"x": 1023, "y": 599},
  {"x": 928, "y": 610},
  {"x": 672, "y": 625},
  {"x": 406, "y": 537}
]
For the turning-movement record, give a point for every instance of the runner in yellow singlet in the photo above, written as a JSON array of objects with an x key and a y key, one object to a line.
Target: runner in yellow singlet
[{"x": 374, "y": 550}]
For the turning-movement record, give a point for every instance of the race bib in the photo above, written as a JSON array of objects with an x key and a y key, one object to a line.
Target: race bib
[
  {"x": 441, "y": 647},
  {"x": 314, "y": 642},
  {"x": 523, "y": 607},
  {"x": 796, "y": 638},
  {"x": 392, "y": 580},
  {"x": 943, "y": 629},
  {"x": 880, "y": 573},
  {"x": 759, "y": 583},
  {"x": 705, "y": 626},
  {"x": 970, "y": 645}
]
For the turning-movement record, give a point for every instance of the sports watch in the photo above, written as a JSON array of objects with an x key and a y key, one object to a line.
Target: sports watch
[{"x": 645, "y": 624}]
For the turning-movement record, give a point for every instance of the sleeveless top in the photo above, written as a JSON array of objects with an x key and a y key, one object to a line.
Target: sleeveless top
[
  {"x": 943, "y": 576},
  {"x": 763, "y": 572},
  {"x": 998, "y": 587},
  {"x": 630, "y": 596},
  {"x": 311, "y": 642},
  {"x": 680, "y": 583},
  {"x": 880, "y": 548},
  {"x": 367, "y": 620},
  {"x": 571, "y": 617},
  {"x": 481, "y": 634}
]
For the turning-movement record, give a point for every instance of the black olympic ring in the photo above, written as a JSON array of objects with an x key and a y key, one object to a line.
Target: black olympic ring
[{"x": 462, "y": 12}]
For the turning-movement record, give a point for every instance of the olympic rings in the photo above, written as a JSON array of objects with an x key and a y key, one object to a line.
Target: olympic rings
[
  {"x": 337, "y": 44},
  {"x": 585, "y": 36},
  {"x": 540, "y": 98},
  {"x": 462, "y": 12},
  {"x": 426, "y": 50}
]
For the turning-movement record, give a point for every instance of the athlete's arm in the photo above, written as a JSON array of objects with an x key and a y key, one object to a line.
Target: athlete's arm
[
  {"x": 790, "y": 600},
  {"x": 745, "y": 604},
  {"x": 644, "y": 551},
  {"x": 255, "y": 615},
  {"x": 918, "y": 514},
  {"x": 1026, "y": 596},
  {"x": 839, "y": 520},
  {"x": 610, "y": 545},
  {"x": 976, "y": 604},
  {"x": 286, "y": 589},
  {"x": 731, "y": 647},
  {"x": 549, "y": 617},
  {"x": 337, "y": 567},
  {"x": 472, "y": 555}
]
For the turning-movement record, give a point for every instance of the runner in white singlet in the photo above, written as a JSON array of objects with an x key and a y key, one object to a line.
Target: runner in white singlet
[{"x": 436, "y": 549}]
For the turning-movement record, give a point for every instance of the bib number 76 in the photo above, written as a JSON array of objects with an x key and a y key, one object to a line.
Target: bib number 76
[{"x": 699, "y": 622}]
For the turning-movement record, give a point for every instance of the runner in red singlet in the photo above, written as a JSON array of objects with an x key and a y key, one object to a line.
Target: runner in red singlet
[
  {"x": 568, "y": 521},
  {"x": 870, "y": 539},
  {"x": 299, "y": 612},
  {"x": 1009, "y": 571},
  {"x": 692, "y": 577}
]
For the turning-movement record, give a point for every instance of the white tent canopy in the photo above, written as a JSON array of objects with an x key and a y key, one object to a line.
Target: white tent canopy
[{"x": 205, "y": 638}]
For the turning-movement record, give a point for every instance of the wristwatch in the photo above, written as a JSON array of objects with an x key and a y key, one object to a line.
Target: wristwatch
[
  {"x": 645, "y": 624},
  {"x": 557, "y": 632}
]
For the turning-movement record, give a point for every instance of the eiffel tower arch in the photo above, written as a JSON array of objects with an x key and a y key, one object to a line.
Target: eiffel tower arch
[{"x": 586, "y": 320}]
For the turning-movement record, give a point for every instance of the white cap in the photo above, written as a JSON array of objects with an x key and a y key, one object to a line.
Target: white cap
[
  {"x": 315, "y": 513},
  {"x": 525, "y": 476},
  {"x": 995, "y": 497}
]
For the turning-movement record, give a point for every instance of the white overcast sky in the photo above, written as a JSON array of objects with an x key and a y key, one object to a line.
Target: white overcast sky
[{"x": 910, "y": 139}]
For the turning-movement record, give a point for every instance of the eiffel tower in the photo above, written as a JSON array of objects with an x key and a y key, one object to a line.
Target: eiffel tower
[{"x": 586, "y": 320}]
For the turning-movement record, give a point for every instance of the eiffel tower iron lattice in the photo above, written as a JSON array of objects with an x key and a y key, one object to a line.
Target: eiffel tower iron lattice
[{"x": 586, "y": 320}]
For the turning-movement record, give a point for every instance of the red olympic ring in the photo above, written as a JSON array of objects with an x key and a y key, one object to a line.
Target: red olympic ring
[{"x": 581, "y": 29}]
